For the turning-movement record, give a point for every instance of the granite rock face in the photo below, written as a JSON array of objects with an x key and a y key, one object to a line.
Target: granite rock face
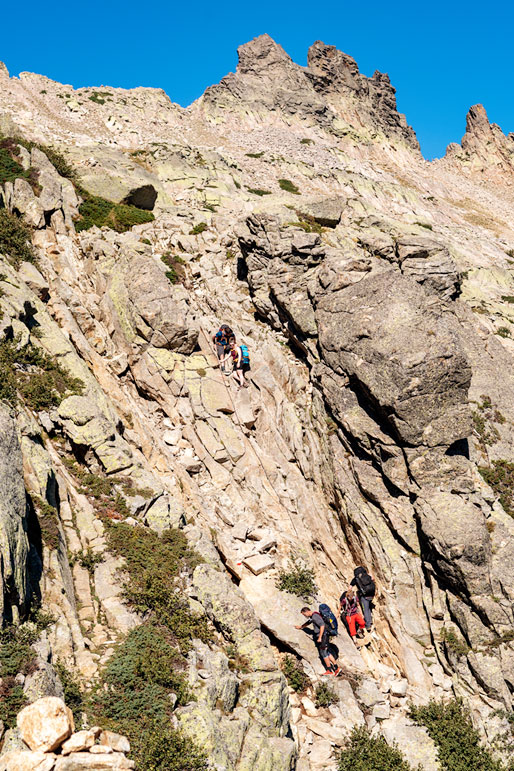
[
  {"x": 13, "y": 539},
  {"x": 373, "y": 290}
]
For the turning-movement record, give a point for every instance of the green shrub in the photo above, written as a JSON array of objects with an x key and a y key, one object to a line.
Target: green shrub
[
  {"x": 89, "y": 559},
  {"x": 48, "y": 522},
  {"x": 294, "y": 674},
  {"x": 39, "y": 380},
  {"x": 453, "y": 642},
  {"x": 95, "y": 210},
  {"x": 424, "y": 225},
  {"x": 458, "y": 743},
  {"x": 288, "y": 186},
  {"x": 106, "y": 499},
  {"x": 258, "y": 191},
  {"x": 308, "y": 224},
  {"x": 508, "y": 298},
  {"x": 95, "y": 97},
  {"x": 306, "y": 141},
  {"x": 15, "y": 240},
  {"x": 12, "y": 700},
  {"x": 153, "y": 563},
  {"x": 10, "y": 169},
  {"x": 255, "y": 155},
  {"x": 133, "y": 698},
  {"x": 176, "y": 272},
  {"x": 16, "y": 655},
  {"x": 325, "y": 696},
  {"x": 197, "y": 229},
  {"x": 500, "y": 476},
  {"x": 503, "y": 332},
  {"x": 298, "y": 579},
  {"x": 73, "y": 696},
  {"x": 364, "y": 752}
]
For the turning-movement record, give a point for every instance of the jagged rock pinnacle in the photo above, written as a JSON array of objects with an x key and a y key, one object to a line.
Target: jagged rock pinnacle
[{"x": 261, "y": 53}]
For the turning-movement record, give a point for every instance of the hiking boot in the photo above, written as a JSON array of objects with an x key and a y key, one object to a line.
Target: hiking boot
[
  {"x": 360, "y": 634},
  {"x": 338, "y": 672},
  {"x": 328, "y": 672}
]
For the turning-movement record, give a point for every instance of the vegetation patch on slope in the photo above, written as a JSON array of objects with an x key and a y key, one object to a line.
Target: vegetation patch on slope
[
  {"x": 30, "y": 374},
  {"x": 458, "y": 742},
  {"x": 364, "y": 752}
]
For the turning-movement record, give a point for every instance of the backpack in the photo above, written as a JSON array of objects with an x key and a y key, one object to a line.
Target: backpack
[
  {"x": 245, "y": 356},
  {"x": 329, "y": 619},
  {"x": 365, "y": 583}
]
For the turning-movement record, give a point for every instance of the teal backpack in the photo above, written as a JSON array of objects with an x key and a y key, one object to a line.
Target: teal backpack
[{"x": 245, "y": 356}]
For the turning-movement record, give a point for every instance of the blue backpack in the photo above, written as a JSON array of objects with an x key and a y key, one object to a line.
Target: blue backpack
[
  {"x": 245, "y": 356},
  {"x": 329, "y": 619}
]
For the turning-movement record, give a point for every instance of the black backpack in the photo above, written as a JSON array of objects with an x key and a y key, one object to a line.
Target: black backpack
[{"x": 365, "y": 583}]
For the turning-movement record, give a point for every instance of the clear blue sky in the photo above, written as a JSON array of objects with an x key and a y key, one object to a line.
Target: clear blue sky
[{"x": 442, "y": 57}]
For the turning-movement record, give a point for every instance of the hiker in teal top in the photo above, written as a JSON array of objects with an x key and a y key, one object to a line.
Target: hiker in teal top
[{"x": 241, "y": 362}]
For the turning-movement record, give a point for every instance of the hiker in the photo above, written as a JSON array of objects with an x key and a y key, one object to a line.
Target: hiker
[
  {"x": 351, "y": 611},
  {"x": 321, "y": 639},
  {"x": 221, "y": 344},
  {"x": 241, "y": 362},
  {"x": 365, "y": 585}
]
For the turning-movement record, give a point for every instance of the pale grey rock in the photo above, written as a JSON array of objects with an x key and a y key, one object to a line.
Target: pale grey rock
[{"x": 13, "y": 528}]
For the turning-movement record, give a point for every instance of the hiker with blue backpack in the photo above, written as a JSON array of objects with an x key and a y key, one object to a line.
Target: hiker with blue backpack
[
  {"x": 325, "y": 626},
  {"x": 241, "y": 362}
]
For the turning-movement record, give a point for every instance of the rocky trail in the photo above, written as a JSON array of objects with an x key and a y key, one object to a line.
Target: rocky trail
[{"x": 374, "y": 292}]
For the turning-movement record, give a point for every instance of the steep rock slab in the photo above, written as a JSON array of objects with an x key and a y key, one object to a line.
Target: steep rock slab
[
  {"x": 13, "y": 539},
  {"x": 402, "y": 352}
]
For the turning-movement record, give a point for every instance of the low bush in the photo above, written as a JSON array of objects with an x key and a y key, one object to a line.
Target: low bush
[
  {"x": 364, "y": 752},
  {"x": 73, "y": 695},
  {"x": 325, "y": 696},
  {"x": 298, "y": 579},
  {"x": 16, "y": 656},
  {"x": 503, "y": 332},
  {"x": 10, "y": 169},
  {"x": 34, "y": 376},
  {"x": 258, "y": 191},
  {"x": 197, "y": 229},
  {"x": 133, "y": 698},
  {"x": 153, "y": 563},
  {"x": 15, "y": 240},
  {"x": 306, "y": 141},
  {"x": 95, "y": 210},
  {"x": 255, "y": 155},
  {"x": 294, "y": 674},
  {"x": 176, "y": 272},
  {"x": 454, "y": 643},
  {"x": 48, "y": 522},
  {"x": 458, "y": 742},
  {"x": 89, "y": 559},
  {"x": 500, "y": 476},
  {"x": 288, "y": 186}
]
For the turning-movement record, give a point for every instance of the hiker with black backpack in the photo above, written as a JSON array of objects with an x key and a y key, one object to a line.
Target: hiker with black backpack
[
  {"x": 241, "y": 362},
  {"x": 221, "y": 344},
  {"x": 321, "y": 638},
  {"x": 365, "y": 585}
]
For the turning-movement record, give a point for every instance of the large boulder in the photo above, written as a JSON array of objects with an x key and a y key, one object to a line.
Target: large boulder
[
  {"x": 45, "y": 724},
  {"x": 13, "y": 538},
  {"x": 401, "y": 350}
]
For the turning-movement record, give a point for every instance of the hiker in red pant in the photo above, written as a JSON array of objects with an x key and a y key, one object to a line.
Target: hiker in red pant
[{"x": 349, "y": 608}]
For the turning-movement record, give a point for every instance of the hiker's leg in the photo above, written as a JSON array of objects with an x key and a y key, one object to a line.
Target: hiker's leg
[
  {"x": 360, "y": 621},
  {"x": 350, "y": 620},
  {"x": 366, "y": 608}
]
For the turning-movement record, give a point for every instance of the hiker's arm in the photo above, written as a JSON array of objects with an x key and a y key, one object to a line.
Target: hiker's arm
[
  {"x": 321, "y": 631},
  {"x": 303, "y": 625}
]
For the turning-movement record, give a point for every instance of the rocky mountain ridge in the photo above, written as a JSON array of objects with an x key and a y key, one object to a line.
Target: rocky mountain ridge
[{"x": 374, "y": 292}]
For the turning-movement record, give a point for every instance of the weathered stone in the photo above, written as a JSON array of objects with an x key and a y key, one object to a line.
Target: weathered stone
[
  {"x": 96, "y": 762},
  {"x": 45, "y": 724},
  {"x": 20, "y": 760},
  {"x": 82, "y": 740},
  {"x": 258, "y": 563},
  {"x": 412, "y": 740},
  {"x": 13, "y": 539}
]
